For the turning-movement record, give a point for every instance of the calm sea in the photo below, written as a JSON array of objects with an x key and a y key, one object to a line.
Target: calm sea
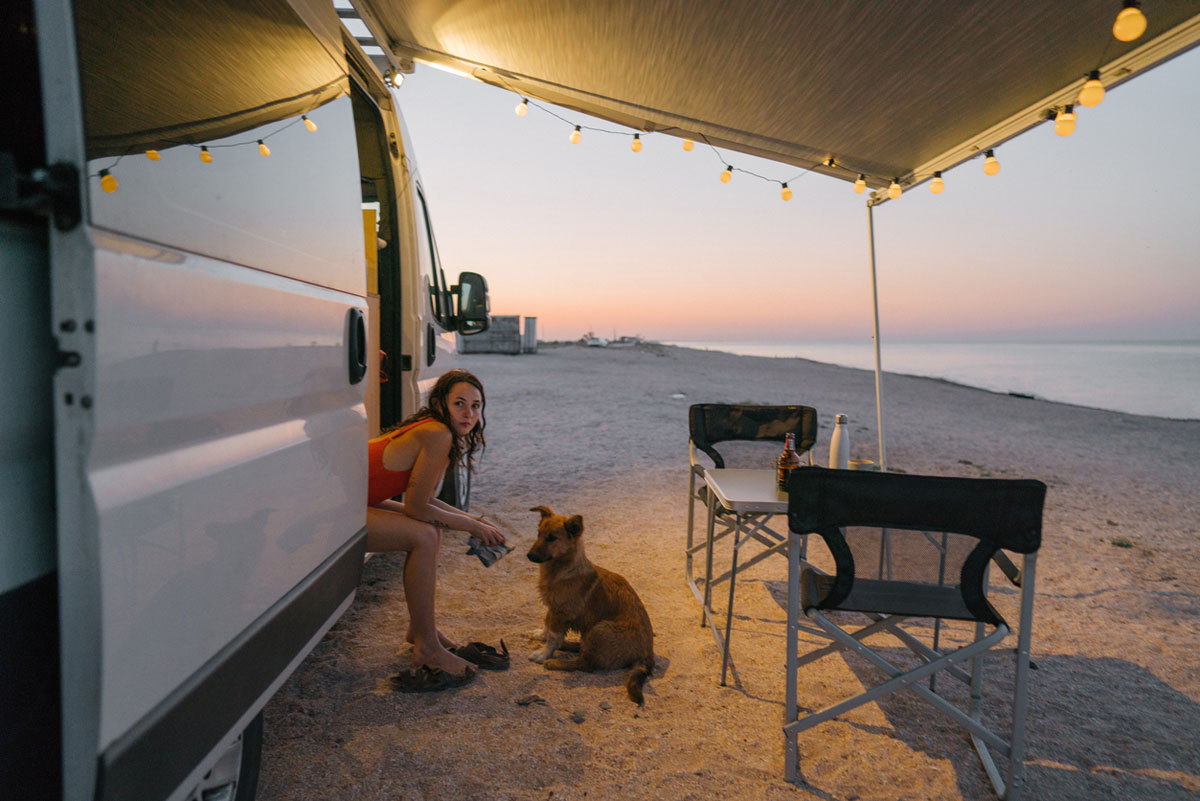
[{"x": 1154, "y": 378}]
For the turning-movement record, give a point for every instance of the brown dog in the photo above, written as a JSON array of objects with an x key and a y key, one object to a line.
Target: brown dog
[{"x": 614, "y": 628}]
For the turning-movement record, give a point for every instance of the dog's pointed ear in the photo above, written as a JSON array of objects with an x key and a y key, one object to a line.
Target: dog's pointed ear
[
  {"x": 545, "y": 510},
  {"x": 574, "y": 525}
]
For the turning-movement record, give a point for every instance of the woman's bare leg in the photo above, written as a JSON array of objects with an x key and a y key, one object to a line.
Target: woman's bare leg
[
  {"x": 398, "y": 506},
  {"x": 389, "y": 530}
]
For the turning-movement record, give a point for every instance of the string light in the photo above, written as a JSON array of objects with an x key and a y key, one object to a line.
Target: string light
[
  {"x": 1064, "y": 117},
  {"x": 1130, "y": 22},
  {"x": 1064, "y": 121},
  {"x": 1093, "y": 91},
  {"x": 108, "y": 181},
  {"x": 153, "y": 155},
  {"x": 205, "y": 156},
  {"x": 262, "y": 148},
  {"x": 309, "y": 124},
  {"x": 990, "y": 165}
]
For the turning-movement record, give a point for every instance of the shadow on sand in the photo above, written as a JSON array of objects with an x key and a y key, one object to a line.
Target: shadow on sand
[{"x": 1098, "y": 727}]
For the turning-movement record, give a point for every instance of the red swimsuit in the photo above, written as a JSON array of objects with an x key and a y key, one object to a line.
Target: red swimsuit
[{"x": 381, "y": 482}]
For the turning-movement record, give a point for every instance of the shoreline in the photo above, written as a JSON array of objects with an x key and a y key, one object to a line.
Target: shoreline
[
  {"x": 740, "y": 348},
  {"x": 600, "y": 432}
]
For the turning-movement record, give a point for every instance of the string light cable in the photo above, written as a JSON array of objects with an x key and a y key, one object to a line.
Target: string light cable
[
  {"x": 109, "y": 183},
  {"x": 726, "y": 175}
]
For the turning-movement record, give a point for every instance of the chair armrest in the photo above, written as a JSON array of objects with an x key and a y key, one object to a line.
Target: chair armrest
[{"x": 1007, "y": 567}]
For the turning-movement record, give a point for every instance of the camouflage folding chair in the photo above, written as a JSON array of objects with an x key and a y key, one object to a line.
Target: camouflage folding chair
[{"x": 710, "y": 424}]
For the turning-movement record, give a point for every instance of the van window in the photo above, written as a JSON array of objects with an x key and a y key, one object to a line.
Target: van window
[
  {"x": 173, "y": 139},
  {"x": 431, "y": 268}
]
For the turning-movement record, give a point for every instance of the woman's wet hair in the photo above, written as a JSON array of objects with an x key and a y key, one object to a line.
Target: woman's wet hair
[{"x": 438, "y": 407}]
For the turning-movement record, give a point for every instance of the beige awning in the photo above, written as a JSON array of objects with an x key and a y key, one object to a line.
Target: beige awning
[
  {"x": 888, "y": 89},
  {"x": 136, "y": 97}
]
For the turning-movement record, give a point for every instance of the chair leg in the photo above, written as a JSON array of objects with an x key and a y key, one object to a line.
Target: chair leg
[
  {"x": 1016, "y": 761},
  {"x": 729, "y": 610},
  {"x": 900, "y": 678},
  {"x": 690, "y": 523},
  {"x": 791, "y": 757}
]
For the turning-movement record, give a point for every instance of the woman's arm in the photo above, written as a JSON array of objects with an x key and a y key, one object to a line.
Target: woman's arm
[
  {"x": 440, "y": 504},
  {"x": 427, "y": 471}
]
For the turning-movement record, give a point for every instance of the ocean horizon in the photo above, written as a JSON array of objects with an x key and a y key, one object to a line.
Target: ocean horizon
[{"x": 1157, "y": 378}]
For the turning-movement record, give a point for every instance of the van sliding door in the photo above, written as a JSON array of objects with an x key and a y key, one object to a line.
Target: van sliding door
[{"x": 210, "y": 442}]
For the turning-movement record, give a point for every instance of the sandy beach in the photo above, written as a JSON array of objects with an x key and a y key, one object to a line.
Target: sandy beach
[{"x": 603, "y": 433}]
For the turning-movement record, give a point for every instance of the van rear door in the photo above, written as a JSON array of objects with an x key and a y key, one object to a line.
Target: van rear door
[{"x": 209, "y": 426}]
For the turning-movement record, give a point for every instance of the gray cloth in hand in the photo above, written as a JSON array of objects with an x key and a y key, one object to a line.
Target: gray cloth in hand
[{"x": 488, "y": 554}]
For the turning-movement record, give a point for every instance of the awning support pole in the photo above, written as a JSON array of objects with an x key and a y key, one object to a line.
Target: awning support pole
[{"x": 878, "y": 362}]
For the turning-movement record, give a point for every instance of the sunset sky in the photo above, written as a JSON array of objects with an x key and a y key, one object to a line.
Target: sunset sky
[{"x": 1092, "y": 236}]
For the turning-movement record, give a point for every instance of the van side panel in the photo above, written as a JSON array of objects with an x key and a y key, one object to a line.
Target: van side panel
[{"x": 226, "y": 462}]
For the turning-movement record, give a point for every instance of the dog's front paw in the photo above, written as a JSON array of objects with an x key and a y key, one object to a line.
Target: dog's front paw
[{"x": 539, "y": 656}]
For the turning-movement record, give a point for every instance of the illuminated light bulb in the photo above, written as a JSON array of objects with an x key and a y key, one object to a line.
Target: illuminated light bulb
[
  {"x": 894, "y": 189},
  {"x": 786, "y": 194},
  {"x": 688, "y": 144},
  {"x": 153, "y": 155},
  {"x": 309, "y": 124},
  {"x": 636, "y": 147},
  {"x": 860, "y": 185},
  {"x": 576, "y": 135},
  {"x": 523, "y": 107},
  {"x": 205, "y": 156},
  {"x": 727, "y": 176},
  {"x": 1130, "y": 22},
  {"x": 108, "y": 181},
  {"x": 1092, "y": 92},
  {"x": 1064, "y": 121},
  {"x": 990, "y": 165},
  {"x": 937, "y": 184},
  {"x": 262, "y": 148}
]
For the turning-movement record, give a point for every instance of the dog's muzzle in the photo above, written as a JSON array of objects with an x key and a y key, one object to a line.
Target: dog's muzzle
[{"x": 536, "y": 557}]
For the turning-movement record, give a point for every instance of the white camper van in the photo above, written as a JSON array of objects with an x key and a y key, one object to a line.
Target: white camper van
[{"x": 211, "y": 228}]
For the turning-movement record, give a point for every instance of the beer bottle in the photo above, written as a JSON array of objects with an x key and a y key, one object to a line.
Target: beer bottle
[{"x": 788, "y": 461}]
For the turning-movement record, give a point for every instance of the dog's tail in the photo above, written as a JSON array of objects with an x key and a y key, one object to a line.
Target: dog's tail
[{"x": 637, "y": 677}]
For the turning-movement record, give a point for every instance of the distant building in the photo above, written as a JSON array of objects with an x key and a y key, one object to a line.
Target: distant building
[{"x": 503, "y": 336}]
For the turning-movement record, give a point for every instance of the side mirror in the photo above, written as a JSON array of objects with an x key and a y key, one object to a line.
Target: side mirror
[{"x": 471, "y": 299}]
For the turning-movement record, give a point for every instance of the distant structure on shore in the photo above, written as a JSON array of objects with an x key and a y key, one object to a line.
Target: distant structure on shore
[
  {"x": 504, "y": 335},
  {"x": 592, "y": 341}
]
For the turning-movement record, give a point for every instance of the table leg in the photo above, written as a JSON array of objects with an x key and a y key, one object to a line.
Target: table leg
[{"x": 737, "y": 533}]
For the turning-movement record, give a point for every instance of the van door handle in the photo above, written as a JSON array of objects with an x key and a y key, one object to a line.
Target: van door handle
[
  {"x": 356, "y": 345},
  {"x": 430, "y": 346}
]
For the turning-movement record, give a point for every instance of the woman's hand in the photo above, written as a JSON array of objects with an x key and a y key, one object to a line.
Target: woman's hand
[{"x": 487, "y": 533}]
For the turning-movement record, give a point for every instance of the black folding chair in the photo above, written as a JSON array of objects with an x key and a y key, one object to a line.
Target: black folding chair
[
  {"x": 909, "y": 546},
  {"x": 710, "y": 424}
]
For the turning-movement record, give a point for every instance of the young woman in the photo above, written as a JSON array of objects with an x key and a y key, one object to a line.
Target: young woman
[{"x": 411, "y": 459}]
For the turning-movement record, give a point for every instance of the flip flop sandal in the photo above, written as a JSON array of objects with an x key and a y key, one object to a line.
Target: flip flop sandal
[
  {"x": 483, "y": 655},
  {"x": 428, "y": 680}
]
